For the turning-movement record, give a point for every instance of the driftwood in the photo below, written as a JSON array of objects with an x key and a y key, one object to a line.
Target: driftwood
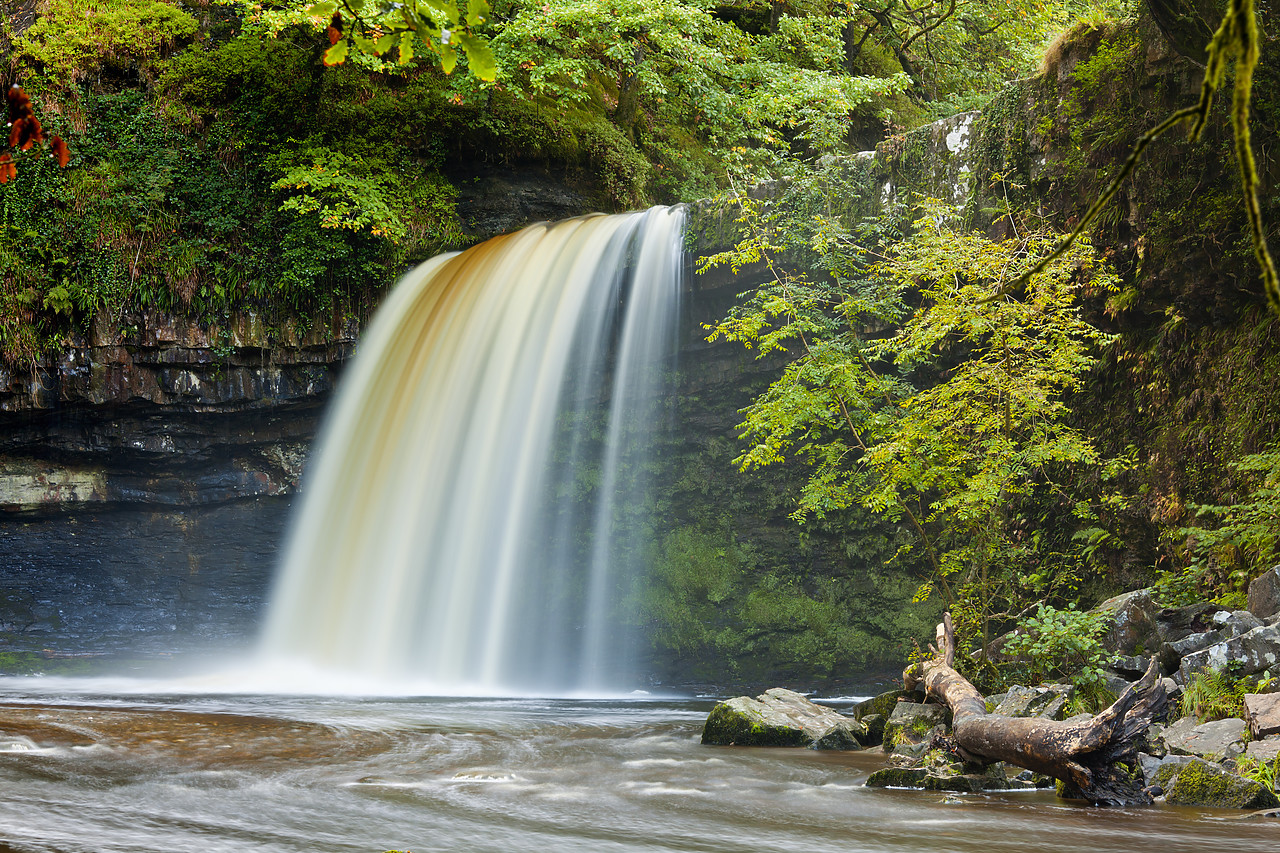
[{"x": 1096, "y": 759}]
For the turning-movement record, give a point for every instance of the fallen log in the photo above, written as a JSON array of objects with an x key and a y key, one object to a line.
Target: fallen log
[{"x": 1095, "y": 759}]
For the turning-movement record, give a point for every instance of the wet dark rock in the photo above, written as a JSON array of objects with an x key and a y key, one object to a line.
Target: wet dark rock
[
  {"x": 1200, "y": 783},
  {"x": 779, "y": 717},
  {"x": 500, "y": 200},
  {"x": 1264, "y": 594},
  {"x": 146, "y": 581}
]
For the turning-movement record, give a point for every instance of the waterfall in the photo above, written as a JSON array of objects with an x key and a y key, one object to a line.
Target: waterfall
[{"x": 474, "y": 515}]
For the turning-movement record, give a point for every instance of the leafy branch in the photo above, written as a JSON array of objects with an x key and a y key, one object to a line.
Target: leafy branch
[{"x": 377, "y": 27}]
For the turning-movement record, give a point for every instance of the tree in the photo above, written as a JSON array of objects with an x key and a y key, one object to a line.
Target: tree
[{"x": 948, "y": 416}]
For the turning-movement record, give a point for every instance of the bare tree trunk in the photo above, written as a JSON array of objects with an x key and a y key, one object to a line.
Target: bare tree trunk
[{"x": 1096, "y": 759}]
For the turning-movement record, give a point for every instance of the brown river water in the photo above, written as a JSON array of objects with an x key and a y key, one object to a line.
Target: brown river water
[{"x": 88, "y": 766}]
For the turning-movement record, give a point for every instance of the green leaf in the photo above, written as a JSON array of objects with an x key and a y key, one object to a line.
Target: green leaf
[
  {"x": 478, "y": 12},
  {"x": 406, "y": 47},
  {"x": 337, "y": 54},
  {"x": 479, "y": 57},
  {"x": 448, "y": 58},
  {"x": 440, "y": 13},
  {"x": 324, "y": 9},
  {"x": 385, "y": 43}
]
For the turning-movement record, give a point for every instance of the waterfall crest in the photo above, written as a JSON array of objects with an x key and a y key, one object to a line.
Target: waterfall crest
[{"x": 474, "y": 513}]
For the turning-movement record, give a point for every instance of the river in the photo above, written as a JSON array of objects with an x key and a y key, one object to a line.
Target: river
[{"x": 91, "y": 765}]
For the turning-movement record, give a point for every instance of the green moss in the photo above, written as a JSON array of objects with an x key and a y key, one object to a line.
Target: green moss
[
  {"x": 32, "y": 663},
  {"x": 897, "y": 777},
  {"x": 1201, "y": 784},
  {"x": 728, "y": 726}
]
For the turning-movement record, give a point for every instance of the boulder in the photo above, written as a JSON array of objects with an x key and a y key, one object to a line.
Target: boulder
[
  {"x": 1159, "y": 771},
  {"x": 1115, "y": 683},
  {"x": 883, "y": 704},
  {"x": 873, "y": 713},
  {"x": 1262, "y": 712},
  {"x": 912, "y": 724},
  {"x": 1200, "y": 783},
  {"x": 937, "y": 770},
  {"x": 1233, "y": 623},
  {"x": 779, "y": 717},
  {"x": 1047, "y": 702},
  {"x": 874, "y": 726},
  {"x": 1247, "y": 654},
  {"x": 1215, "y": 741},
  {"x": 897, "y": 777},
  {"x": 1130, "y": 621},
  {"x": 1264, "y": 750},
  {"x": 1264, "y": 594},
  {"x": 1132, "y": 666},
  {"x": 1177, "y": 622}
]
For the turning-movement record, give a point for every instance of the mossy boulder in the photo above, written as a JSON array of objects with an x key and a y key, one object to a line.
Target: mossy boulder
[
  {"x": 780, "y": 717},
  {"x": 938, "y": 770},
  {"x": 912, "y": 724},
  {"x": 874, "y": 724},
  {"x": 882, "y": 704},
  {"x": 897, "y": 777},
  {"x": 1200, "y": 783}
]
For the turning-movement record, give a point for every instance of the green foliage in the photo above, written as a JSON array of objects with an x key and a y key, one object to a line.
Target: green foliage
[
  {"x": 446, "y": 30},
  {"x": 344, "y": 192},
  {"x": 1215, "y": 695},
  {"x": 75, "y": 39},
  {"x": 33, "y": 663},
  {"x": 716, "y": 610},
  {"x": 955, "y": 424},
  {"x": 1055, "y": 644},
  {"x": 1260, "y": 771},
  {"x": 1243, "y": 543}
]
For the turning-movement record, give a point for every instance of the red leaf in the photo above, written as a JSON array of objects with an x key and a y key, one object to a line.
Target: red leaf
[{"x": 60, "y": 151}]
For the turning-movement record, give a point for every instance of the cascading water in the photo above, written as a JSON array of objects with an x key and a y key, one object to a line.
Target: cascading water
[{"x": 474, "y": 515}]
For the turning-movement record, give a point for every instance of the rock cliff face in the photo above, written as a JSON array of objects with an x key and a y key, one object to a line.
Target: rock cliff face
[{"x": 171, "y": 414}]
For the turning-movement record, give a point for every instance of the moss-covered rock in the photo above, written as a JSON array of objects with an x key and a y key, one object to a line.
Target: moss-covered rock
[
  {"x": 874, "y": 724},
  {"x": 882, "y": 704},
  {"x": 779, "y": 717},
  {"x": 1200, "y": 783},
  {"x": 912, "y": 724},
  {"x": 897, "y": 777}
]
